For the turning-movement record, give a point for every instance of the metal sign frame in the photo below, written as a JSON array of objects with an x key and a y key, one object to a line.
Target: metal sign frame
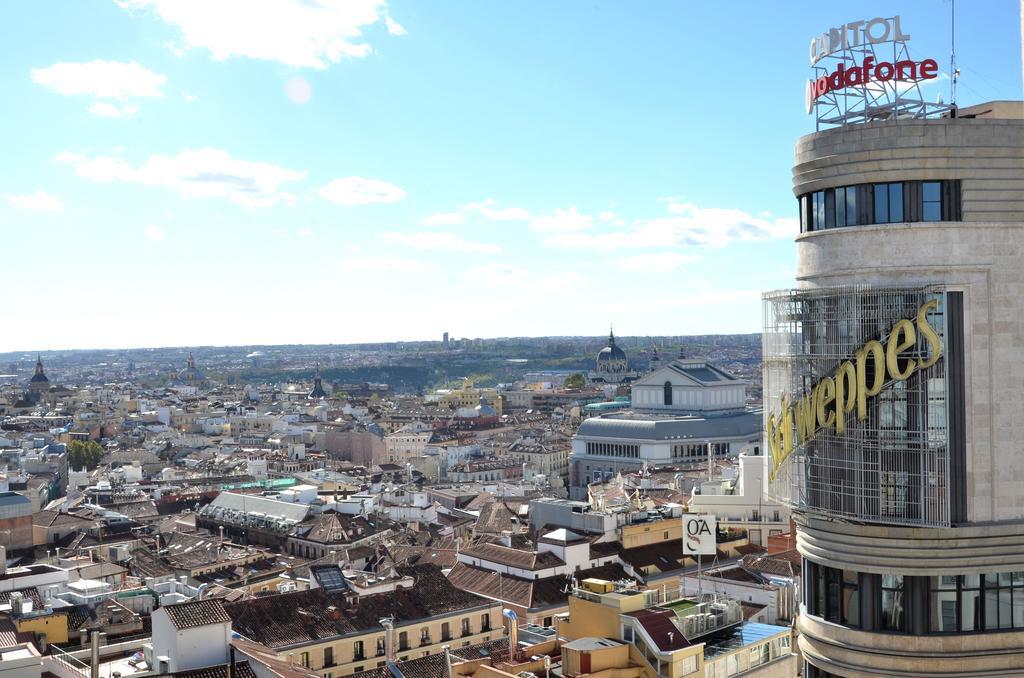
[{"x": 872, "y": 100}]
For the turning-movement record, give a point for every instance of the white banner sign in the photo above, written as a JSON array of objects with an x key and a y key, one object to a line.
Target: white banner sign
[{"x": 699, "y": 530}]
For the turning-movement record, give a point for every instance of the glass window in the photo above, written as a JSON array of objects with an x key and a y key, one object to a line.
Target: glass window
[
  {"x": 830, "y": 209},
  {"x": 834, "y": 583},
  {"x": 931, "y": 195},
  {"x": 841, "y": 205},
  {"x": 851, "y": 205},
  {"x": 895, "y": 203},
  {"x": 942, "y": 603},
  {"x": 893, "y": 617},
  {"x": 970, "y": 603},
  {"x": 819, "y": 210},
  {"x": 881, "y": 204},
  {"x": 851, "y": 599}
]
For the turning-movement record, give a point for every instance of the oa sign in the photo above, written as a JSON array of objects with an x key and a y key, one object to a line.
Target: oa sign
[
  {"x": 699, "y": 531},
  {"x": 860, "y": 37}
]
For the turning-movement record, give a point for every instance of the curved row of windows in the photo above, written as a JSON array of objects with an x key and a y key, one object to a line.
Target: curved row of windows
[
  {"x": 613, "y": 450},
  {"x": 968, "y": 603},
  {"x": 887, "y": 203}
]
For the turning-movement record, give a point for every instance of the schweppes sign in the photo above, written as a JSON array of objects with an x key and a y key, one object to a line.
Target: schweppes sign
[{"x": 833, "y": 399}]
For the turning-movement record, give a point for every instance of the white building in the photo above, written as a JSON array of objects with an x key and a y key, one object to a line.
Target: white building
[
  {"x": 679, "y": 411},
  {"x": 743, "y": 502},
  {"x": 189, "y": 636}
]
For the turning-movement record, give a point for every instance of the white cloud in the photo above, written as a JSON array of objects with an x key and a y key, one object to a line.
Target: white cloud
[
  {"x": 443, "y": 219},
  {"x": 154, "y": 233},
  {"x": 384, "y": 265},
  {"x": 189, "y": 97},
  {"x": 660, "y": 262},
  {"x": 101, "y": 79},
  {"x": 105, "y": 109},
  {"x": 687, "y": 224},
  {"x": 502, "y": 276},
  {"x": 199, "y": 173},
  {"x": 486, "y": 209},
  {"x": 562, "y": 221},
  {"x": 351, "y": 191},
  {"x": 305, "y": 232},
  {"x": 297, "y": 33},
  {"x": 606, "y": 215},
  {"x": 395, "y": 28},
  {"x": 448, "y": 242},
  {"x": 40, "y": 201}
]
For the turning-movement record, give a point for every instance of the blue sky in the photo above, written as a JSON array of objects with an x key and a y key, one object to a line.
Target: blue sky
[{"x": 184, "y": 172}]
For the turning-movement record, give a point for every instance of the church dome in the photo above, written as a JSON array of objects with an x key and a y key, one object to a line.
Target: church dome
[
  {"x": 611, "y": 352},
  {"x": 39, "y": 377},
  {"x": 190, "y": 375},
  {"x": 485, "y": 410}
]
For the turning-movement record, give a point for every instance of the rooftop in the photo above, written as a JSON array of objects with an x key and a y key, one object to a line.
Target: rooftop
[{"x": 197, "y": 613}]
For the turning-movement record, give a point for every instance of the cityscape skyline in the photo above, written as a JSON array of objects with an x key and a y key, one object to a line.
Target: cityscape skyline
[{"x": 371, "y": 166}]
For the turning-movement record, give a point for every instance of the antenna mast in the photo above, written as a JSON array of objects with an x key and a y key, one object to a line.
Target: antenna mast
[{"x": 953, "y": 71}]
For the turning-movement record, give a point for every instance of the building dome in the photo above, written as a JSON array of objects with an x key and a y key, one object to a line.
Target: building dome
[
  {"x": 39, "y": 377},
  {"x": 318, "y": 387},
  {"x": 190, "y": 375},
  {"x": 484, "y": 409},
  {"x": 610, "y": 353}
]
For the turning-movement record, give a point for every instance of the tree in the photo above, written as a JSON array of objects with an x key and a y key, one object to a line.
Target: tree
[
  {"x": 575, "y": 380},
  {"x": 87, "y": 453}
]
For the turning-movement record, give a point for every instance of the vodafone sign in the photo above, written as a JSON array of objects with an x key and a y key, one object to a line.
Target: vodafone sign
[{"x": 852, "y": 47}]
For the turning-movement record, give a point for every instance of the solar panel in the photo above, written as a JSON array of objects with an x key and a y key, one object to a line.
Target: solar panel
[{"x": 330, "y": 579}]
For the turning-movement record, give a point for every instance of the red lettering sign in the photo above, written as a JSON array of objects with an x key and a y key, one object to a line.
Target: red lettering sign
[{"x": 869, "y": 71}]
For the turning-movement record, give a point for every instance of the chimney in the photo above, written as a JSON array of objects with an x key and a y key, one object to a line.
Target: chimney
[
  {"x": 389, "y": 644},
  {"x": 447, "y": 662},
  {"x": 513, "y": 632},
  {"x": 94, "y": 654}
]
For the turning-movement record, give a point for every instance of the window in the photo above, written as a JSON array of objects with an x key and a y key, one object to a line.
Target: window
[
  {"x": 667, "y": 392},
  {"x": 893, "y": 617},
  {"x": 357, "y": 651},
  {"x": 304, "y": 659},
  {"x": 446, "y": 631},
  {"x": 328, "y": 656},
  {"x": 850, "y": 614},
  {"x": 425, "y": 636},
  {"x": 931, "y": 201},
  {"x": 380, "y": 647},
  {"x": 883, "y": 203},
  {"x": 403, "y": 641},
  {"x": 485, "y": 622},
  {"x": 466, "y": 631}
]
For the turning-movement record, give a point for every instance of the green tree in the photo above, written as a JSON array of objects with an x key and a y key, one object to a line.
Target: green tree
[
  {"x": 575, "y": 380},
  {"x": 87, "y": 453}
]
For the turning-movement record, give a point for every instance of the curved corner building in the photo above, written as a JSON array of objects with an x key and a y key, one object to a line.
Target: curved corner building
[{"x": 894, "y": 379}]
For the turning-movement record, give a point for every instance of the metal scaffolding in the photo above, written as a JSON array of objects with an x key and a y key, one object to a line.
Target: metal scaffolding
[{"x": 892, "y": 467}]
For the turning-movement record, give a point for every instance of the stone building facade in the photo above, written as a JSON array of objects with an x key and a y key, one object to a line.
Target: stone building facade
[{"x": 915, "y": 571}]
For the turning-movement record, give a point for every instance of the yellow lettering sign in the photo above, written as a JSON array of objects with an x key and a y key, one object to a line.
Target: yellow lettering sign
[{"x": 850, "y": 386}]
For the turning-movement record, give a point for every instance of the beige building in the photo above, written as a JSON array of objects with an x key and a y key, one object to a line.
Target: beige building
[
  {"x": 906, "y": 481},
  {"x": 468, "y": 398},
  {"x": 628, "y": 632},
  {"x": 336, "y": 633}
]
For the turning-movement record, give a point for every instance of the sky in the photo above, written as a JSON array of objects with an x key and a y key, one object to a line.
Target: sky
[{"x": 223, "y": 172}]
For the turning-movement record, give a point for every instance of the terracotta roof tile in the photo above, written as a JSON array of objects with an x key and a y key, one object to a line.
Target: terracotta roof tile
[{"x": 197, "y": 613}]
